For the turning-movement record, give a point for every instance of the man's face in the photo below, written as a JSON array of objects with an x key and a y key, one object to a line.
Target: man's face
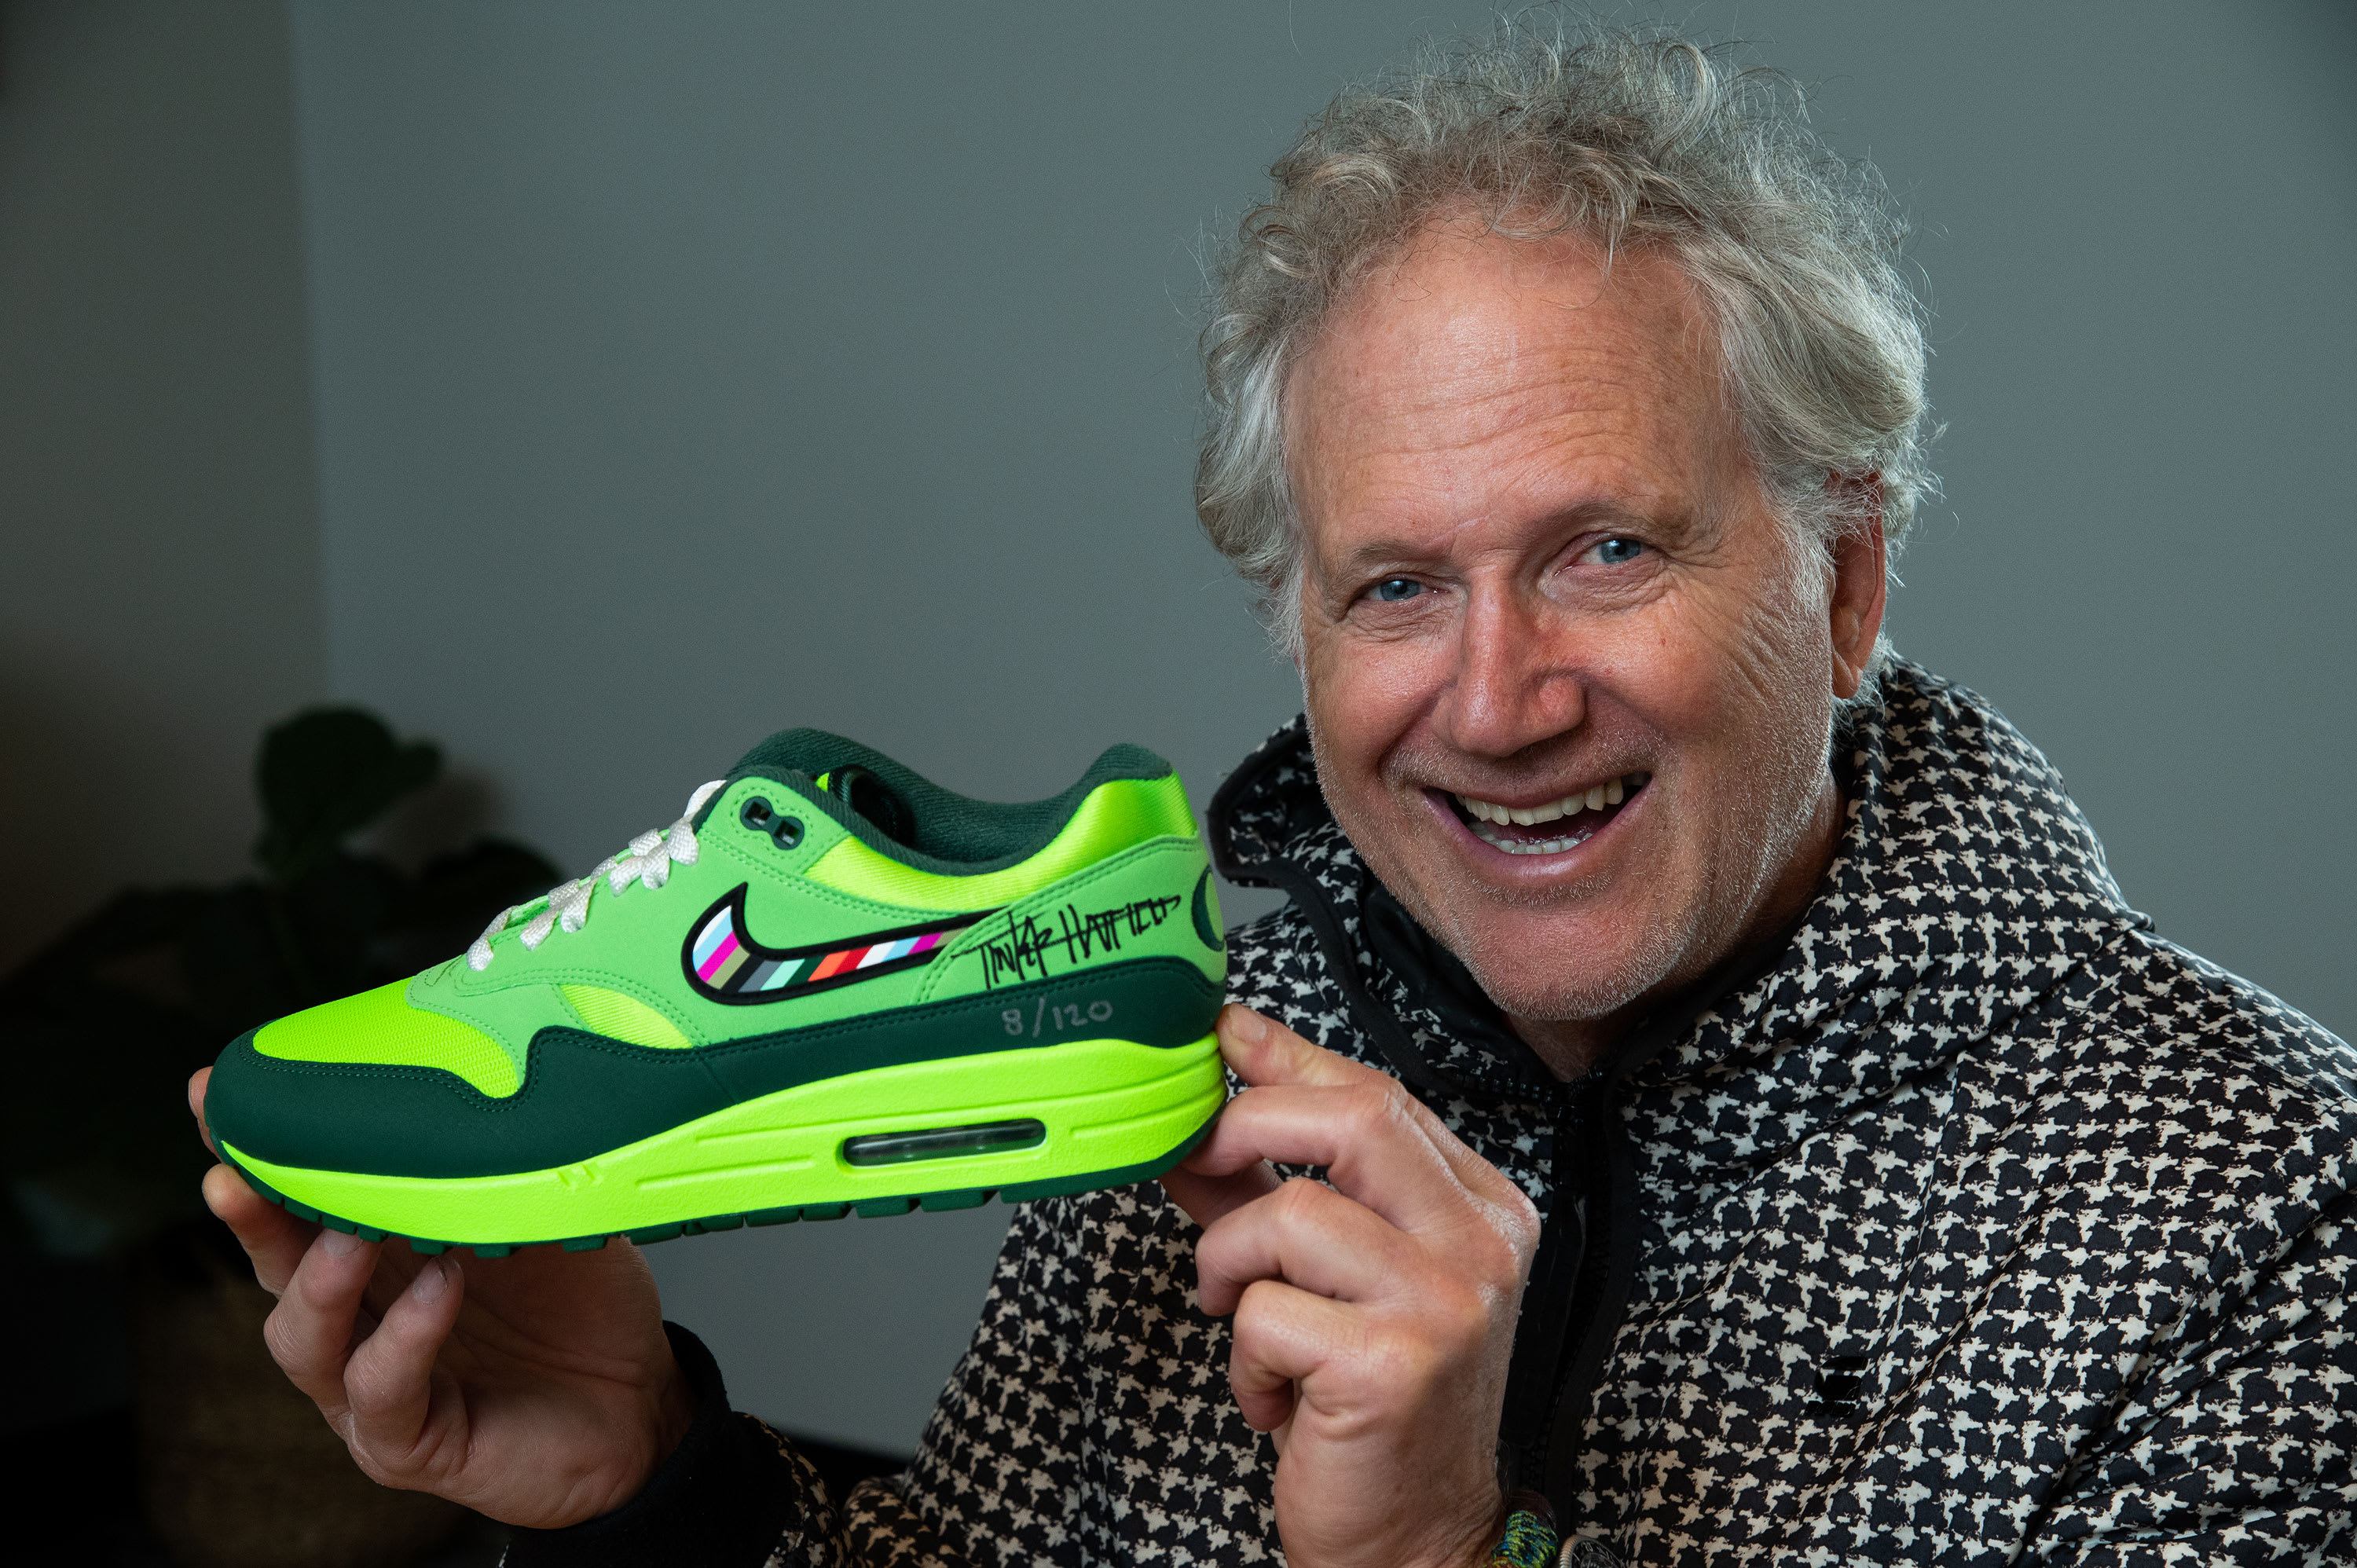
[{"x": 1542, "y": 584}]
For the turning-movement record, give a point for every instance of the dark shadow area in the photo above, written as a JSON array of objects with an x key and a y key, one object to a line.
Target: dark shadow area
[{"x": 80, "y": 1471}]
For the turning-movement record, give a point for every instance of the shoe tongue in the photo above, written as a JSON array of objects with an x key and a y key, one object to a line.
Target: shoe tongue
[{"x": 810, "y": 751}]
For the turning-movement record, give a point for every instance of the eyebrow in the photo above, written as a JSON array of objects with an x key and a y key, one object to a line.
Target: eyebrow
[{"x": 1391, "y": 550}]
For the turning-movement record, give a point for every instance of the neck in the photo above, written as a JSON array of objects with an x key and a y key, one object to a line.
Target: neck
[{"x": 1572, "y": 1047}]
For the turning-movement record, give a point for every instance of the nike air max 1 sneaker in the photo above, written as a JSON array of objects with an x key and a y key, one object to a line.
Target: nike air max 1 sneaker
[{"x": 830, "y": 986}]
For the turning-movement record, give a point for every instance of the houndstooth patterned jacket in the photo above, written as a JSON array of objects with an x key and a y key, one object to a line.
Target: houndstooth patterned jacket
[{"x": 1979, "y": 1225}]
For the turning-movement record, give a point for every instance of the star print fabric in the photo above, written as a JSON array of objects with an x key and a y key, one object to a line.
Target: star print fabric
[{"x": 1982, "y": 1226}]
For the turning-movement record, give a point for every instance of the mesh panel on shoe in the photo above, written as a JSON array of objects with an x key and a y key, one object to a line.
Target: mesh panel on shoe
[
  {"x": 380, "y": 1026},
  {"x": 625, "y": 1018}
]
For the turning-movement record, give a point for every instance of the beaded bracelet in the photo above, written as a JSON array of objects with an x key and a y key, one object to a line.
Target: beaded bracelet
[{"x": 1529, "y": 1540}]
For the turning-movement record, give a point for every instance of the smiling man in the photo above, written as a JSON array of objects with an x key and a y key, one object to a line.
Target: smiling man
[
  {"x": 1753, "y": 1127},
  {"x": 1571, "y": 678}
]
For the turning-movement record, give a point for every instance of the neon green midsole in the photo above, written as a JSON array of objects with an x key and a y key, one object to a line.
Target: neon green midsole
[{"x": 1106, "y": 1105}]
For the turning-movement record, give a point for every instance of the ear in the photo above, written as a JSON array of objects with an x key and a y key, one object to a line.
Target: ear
[{"x": 1860, "y": 578}]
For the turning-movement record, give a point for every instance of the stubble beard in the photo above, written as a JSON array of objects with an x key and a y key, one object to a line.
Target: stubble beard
[{"x": 1762, "y": 814}]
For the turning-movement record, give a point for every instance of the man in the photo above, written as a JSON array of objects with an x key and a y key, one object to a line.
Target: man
[{"x": 1748, "y": 1114}]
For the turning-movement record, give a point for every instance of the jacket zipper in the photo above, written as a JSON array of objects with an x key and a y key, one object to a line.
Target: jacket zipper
[{"x": 1560, "y": 1350}]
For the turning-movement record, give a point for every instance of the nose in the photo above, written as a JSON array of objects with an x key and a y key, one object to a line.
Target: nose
[{"x": 1514, "y": 685}]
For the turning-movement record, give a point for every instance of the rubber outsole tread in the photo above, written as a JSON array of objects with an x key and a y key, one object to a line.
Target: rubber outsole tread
[{"x": 646, "y": 1236}]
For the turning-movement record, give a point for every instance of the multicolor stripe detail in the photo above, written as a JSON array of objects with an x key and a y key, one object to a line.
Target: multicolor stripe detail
[{"x": 725, "y": 964}]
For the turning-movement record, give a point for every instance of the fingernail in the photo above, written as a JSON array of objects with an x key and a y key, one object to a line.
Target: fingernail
[
  {"x": 430, "y": 1282},
  {"x": 336, "y": 1244},
  {"x": 1248, "y": 1027}
]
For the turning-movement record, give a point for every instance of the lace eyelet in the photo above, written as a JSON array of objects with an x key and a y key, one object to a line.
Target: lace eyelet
[{"x": 763, "y": 818}]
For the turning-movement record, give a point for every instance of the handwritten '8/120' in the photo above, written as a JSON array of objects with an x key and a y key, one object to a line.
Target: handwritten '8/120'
[{"x": 1062, "y": 1016}]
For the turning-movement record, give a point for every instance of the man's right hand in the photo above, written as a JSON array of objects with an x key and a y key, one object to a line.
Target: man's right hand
[{"x": 537, "y": 1389}]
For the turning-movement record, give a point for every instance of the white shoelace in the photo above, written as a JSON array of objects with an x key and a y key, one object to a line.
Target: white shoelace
[{"x": 647, "y": 862}]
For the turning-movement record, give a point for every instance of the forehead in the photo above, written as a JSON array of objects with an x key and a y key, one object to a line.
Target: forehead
[{"x": 1475, "y": 377}]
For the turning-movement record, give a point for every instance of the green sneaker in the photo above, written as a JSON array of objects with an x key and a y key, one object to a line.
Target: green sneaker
[{"x": 832, "y": 985}]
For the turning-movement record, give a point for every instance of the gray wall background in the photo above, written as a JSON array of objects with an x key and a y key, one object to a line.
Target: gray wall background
[
  {"x": 681, "y": 371},
  {"x": 159, "y": 535}
]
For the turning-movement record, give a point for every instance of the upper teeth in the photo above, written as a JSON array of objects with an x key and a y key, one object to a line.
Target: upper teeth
[{"x": 1595, "y": 799}]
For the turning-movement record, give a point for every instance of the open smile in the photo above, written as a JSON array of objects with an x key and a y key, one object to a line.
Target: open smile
[{"x": 1551, "y": 827}]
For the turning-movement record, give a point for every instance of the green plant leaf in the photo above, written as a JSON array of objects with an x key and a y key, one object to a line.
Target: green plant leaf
[{"x": 324, "y": 775}]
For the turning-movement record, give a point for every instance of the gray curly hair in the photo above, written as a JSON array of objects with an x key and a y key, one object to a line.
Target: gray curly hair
[{"x": 1631, "y": 137}]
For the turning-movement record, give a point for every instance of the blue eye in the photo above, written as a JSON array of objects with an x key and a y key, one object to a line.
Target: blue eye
[
  {"x": 1617, "y": 551},
  {"x": 1391, "y": 590}
]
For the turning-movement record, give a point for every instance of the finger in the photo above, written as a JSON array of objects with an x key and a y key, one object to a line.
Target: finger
[
  {"x": 1283, "y": 1337},
  {"x": 1206, "y": 1199},
  {"x": 1367, "y": 1136},
  {"x": 1309, "y": 1236},
  {"x": 1211, "y": 1183},
  {"x": 274, "y": 1240},
  {"x": 1382, "y": 1146},
  {"x": 1265, "y": 1053},
  {"x": 388, "y": 1379},
  {"x": 310, "y": 1331},
  {"x": 197, "y": 1081}
]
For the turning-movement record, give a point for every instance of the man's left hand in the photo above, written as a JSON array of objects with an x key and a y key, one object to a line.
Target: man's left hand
[{"x": 1375, "y": 1316}]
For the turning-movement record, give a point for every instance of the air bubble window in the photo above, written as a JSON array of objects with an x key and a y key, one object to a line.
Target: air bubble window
[{"x": 943, "y": 1142}]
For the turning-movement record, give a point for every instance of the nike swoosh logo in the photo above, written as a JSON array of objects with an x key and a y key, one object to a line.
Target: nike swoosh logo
[{"x": 724, "y": 963}]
